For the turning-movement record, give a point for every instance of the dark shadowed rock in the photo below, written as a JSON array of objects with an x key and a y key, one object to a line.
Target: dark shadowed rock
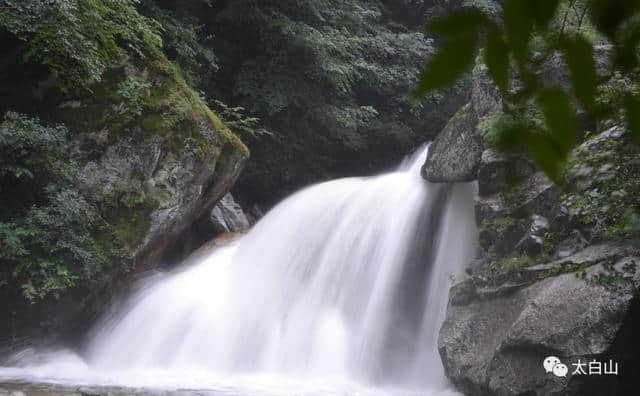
[
  {"x": 532, "y": 242},
  {"x": 534, "y": 195}
]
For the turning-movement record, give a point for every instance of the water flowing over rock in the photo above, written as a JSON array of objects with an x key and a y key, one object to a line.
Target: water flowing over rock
[{"x": 343, "y": 283}]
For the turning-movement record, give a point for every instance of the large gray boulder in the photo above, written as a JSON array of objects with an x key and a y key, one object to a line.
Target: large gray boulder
[
  {"x": 493, "y": 342},
  {"x": 454, "y": 155}
]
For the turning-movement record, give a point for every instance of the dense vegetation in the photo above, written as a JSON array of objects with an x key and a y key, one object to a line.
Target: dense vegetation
[
  {"x": 330, "y": 82},
  {"x": 51, "y": 236},
  {"x": 108, "y": 56},
  {"x": 79, "y": 39}
]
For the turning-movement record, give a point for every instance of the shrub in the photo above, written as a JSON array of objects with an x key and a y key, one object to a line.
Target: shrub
[
  {"x": 79, "y": 39},
  {"x": 52, "y": 237}
]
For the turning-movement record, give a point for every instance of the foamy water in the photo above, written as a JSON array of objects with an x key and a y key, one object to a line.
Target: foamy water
[{"x": 339, "y": 290}]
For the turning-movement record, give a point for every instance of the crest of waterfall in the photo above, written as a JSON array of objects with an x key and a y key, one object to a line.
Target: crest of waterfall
[{"x": 346, "y": 279}]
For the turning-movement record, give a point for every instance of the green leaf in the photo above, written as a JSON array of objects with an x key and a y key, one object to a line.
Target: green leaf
[
  {"x": 462, "y": 22},
  {"x": 629, "y": 38},
  {"x": 457, "y": 52},
  {"x": 544, "y": 153},
  {"x": 518, "y": 24},
  {"x": 496, "y": 56},
  {"x": 632, "y": 109},
  {"x": 578, "y": 54},
  {"x": 560, "y": 118},
  {"x": 509, "y": 133},
  {"x": 543, "y": 11},
  {"x": 445, "y": 67},
  {"x": 607, "y": 15}
]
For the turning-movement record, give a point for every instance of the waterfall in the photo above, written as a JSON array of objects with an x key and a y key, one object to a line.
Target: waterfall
[{"x": 343, "y": 284}]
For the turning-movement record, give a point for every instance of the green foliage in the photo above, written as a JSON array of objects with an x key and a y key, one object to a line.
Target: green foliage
[
  {"x": 497, "y": 57},
  {"x": 604, "y": 173},
  {"x": 185, "y": 40},
  {"x": 461, "y": 32},
  {"x": 56, "y": 245},
  {"x": 26, "y": 146},
  {"x": 54, "y": 238},
  {"x": 79, "y": 39},
  {"x": 134, "y": 90},
  {"x": 236, "y": 119},
  {"x": 535, "y": 23}
]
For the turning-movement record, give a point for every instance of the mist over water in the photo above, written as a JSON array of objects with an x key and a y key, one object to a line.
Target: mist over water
[{"x": 340, "y": 289}]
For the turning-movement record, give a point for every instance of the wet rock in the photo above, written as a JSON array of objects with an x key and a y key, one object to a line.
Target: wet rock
[
  {"x": 499, "y": 172},
  {"x": 454, "y": 155}
]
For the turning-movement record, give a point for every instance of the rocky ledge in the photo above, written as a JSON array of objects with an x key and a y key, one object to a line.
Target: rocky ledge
[{"x": 544, "y": 282}]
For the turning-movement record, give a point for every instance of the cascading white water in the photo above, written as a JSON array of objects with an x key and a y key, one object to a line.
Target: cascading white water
[{"x": 344, "y": 282}]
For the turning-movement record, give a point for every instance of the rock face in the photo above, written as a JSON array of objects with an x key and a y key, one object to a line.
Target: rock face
[
  {"x": 178, "y": 186},
  {"x": 456, "y": 153},
  {"x": 456, "y": 150},
  {"x": 495, "y": 343},
  {"x": 541, "y": 284},
  {"x": 538, "y": 288},
  {"x": 228, "y": 216},
  {"x": 154, "y": 173}
]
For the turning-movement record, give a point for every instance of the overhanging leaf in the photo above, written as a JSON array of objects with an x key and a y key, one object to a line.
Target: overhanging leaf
[
  {"x": 559, "y": 117},
  {"x": 518, "y": 24},
  {"x": 607, "y": 15},
  {"x": 509, "y": 133},
  {"x": 462, "y": 22},
  {"x": 544, "y": 153},
  {"x": 543, "y": 11},
  {"x": 496, "y": 56},
  {"x": 446, "y": 66},
  {"x": 626, "y": 56},
  {"x": 456, "y": 53},
  {"x": 578, "y": 54},
  {"x": 632, "y": 110}
]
